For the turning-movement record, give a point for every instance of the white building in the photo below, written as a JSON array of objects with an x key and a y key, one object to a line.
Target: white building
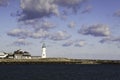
[
  {"x": 3, "y": 55},
  {"x": 43, "y": 51},
  {"x": 21, "y": 55}
]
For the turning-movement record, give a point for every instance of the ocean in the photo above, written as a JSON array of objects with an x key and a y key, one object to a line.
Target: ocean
[{"x": 59, "y": 72}]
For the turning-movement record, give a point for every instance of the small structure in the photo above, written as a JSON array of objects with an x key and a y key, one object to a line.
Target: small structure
[
  {"x": 21, "y": 55},
  {"x": 18, "y": 54},
  {"x": 26, "y": 55},
  {"x": 43, "y": 51},
  {"x": 10, "y": 56},
  {"x": 3, "y": 55}
]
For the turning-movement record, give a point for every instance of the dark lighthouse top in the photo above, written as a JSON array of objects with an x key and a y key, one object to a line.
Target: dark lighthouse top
[{"x": 43, "y": 46}]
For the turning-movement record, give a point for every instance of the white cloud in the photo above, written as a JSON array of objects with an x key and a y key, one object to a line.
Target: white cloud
[
  {"x": 32, "y": 9},
  {"x": 20, "y": 33},
  {"x": 36, "y": 29},
  {"x": 73, "y": 4},
  {"x": 97, "y": 30},
  {"x": 68, "y": 43},
  {"x": 36, "y": 24},
  {"x": 38, "y": 8},
  {"x": 40, "y": 34},
  {"x": 60, "y": 35},
  {"x": 76, "y": 43},
  {"x": 47, "y": 25},
  {"x": 31, "y": 22},
  {"x": 80, "y": 43},
  {"x": 110, "y": 39},
  {"x": 21, "y": 42}
]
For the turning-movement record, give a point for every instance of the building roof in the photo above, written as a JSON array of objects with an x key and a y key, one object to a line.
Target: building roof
[
  {"x": 26, "y": 54},
  {"x": 18, "y": 52}
]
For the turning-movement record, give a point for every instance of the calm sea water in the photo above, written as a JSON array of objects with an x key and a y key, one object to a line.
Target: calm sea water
[{"x": 59, "y": 72}]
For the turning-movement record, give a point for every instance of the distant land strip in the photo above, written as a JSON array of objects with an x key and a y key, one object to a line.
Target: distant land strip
[{"x": 57, "y": 61}]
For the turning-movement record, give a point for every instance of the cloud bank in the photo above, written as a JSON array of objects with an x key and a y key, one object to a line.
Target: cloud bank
[
  {"x": 21, "y": 42},
  {"x": 60, "y": 35},
  {"x": 80, "y": 43},
  {"x": 110, "y": 39},
  {"x": 68, "y": 43},
  {"x": 97, "y": 30},
  {"x": 32, "y": 9},
  {"x": 40, "y": 34},
  {"x": 37, "y": 9},
  {"x": 19, "y": 33},
  {"x": 76, "y": 43}
]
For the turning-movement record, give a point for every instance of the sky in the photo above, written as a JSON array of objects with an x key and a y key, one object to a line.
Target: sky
[{"x": 82, "y": 29}]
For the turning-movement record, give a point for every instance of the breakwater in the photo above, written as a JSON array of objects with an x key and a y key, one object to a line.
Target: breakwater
[{"x": 57, "y": 61}]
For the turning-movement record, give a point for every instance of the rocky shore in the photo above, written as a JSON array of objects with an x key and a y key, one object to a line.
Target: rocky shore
[{"x": 57, "y": 61}]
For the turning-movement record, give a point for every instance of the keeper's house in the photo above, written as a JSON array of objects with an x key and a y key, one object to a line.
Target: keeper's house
[{"x": 19, "y": 55}]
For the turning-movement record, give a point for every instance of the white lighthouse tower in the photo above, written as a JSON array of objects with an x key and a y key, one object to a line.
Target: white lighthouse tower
[{"x": 43, "y": 50}]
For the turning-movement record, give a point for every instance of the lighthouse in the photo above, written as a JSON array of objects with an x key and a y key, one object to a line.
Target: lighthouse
[{"x": 43, "y": 50}]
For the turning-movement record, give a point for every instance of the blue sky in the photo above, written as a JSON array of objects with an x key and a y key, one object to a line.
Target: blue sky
[{"x": 84, "y": 29}]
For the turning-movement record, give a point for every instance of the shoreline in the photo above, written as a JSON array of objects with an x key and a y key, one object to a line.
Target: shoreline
[{"x": 57, "y": 61}]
